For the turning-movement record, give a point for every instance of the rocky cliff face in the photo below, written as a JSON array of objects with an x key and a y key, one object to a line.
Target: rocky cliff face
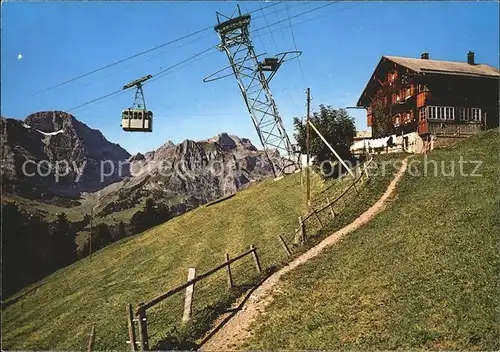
[
  {"x": 190, "y": 173},
  {"x": 53, "y": 152}
]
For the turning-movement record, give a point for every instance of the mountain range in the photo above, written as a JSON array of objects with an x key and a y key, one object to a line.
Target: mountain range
[{"x": 52, "y": 157}]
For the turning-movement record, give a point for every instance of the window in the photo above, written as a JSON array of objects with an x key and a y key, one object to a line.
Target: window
[
  {"x": 407, "y": 117},
  {"x": 476, "y": 114},
  {"x": 421, "y": 114},
  {"x": 463, "y": 114},
  {"x": 440, "y": 113},
  {"x": 448, "y": 113},
  {"x": 432, "y": 112},
  {"x": 397, "y": 121}
]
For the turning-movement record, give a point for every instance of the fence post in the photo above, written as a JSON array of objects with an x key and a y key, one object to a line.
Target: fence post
[
  {"x": 143, "y": 328},
  {"x": 256, "y": 259},
  {"x": 285, "y": 247},
  {"x": 131, "y": 329},
  {"x": 188, "y": 301},
  {"x": 331, "y": 208},
  {"x": 92, "y": 338},
  {"x": 300, "y": 234},
  {"x": 229, "y": 276},
  {"x": 317, "y": 218}
]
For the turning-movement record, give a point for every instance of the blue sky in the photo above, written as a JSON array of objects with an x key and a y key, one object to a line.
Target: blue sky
[{"x": 341, "y": 45}]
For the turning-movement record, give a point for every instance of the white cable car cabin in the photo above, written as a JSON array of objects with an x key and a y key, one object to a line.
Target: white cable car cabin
[{"x": 137, "y": 120}]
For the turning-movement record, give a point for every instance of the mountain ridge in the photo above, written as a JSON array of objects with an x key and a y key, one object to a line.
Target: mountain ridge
[{"x": 105, "y": 176}]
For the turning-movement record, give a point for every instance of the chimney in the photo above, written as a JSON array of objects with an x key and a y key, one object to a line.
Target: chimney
[
  {"x": 425, "y": 55},
  {"x": 470, "y": 58}
]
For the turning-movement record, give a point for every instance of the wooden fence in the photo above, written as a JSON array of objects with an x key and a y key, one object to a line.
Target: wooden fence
[
  {"x": 301, "y": 231},
  {"x": 139, "y": 316}
]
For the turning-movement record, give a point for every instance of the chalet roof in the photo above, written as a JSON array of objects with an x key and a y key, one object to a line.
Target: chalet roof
[
  {"x": 435, "y": 67},
  {"x": 445, "y": 67}
]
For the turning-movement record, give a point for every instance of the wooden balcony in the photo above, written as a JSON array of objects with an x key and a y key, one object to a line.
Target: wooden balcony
[{"x": 453, "y": 128}]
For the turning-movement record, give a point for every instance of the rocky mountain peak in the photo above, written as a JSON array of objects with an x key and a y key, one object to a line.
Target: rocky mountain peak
[
  {"x": 57, "y": 139},
  {"x": 50, "y": 121},
  {"x": 229, "y": 142}
]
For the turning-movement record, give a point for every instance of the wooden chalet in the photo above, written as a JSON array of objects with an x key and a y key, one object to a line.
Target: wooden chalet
[{"x": 432, "y": 97}]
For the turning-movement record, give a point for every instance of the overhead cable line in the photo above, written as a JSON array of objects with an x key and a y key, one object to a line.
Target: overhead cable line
[
  {"x": 155, "y": 77},
  {"x": 297, "y": 15},
  {"x": 164, "y": 72},
  {"x": 267, "y": 23},
  {"x": 136, "y": 55},
  {"x": 121, "y": 61},
  {"x": 295, "y": 45}
]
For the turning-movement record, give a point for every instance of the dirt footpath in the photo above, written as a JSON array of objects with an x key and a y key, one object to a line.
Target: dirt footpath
[{"x": 236, "y": 330}]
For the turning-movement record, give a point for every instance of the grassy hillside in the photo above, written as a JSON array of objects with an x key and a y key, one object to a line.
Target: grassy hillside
[
  {"x": 423, "y": 274},
  {"x": 57, "y": 312}
]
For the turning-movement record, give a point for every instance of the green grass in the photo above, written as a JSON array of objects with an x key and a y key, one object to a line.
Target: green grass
[
  {"x": 421, "y": 275},
  {"x": 45, "y": 209},
  {"x": 57, "y": 312}
]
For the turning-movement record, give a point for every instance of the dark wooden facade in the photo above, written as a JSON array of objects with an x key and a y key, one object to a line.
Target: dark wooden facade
[{"x": 433, "y": 97}]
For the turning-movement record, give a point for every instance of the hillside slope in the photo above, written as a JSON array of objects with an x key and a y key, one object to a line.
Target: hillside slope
[
  {"x": 52, "y": 163},
  {"x": 57, "y": 312},
  {"x": 423, "y": 274}
]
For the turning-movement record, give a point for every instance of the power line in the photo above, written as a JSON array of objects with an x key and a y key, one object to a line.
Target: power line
[
  {"x": 260, "y": 38},
  {"x": 267, "y": 23},
  {"x": 297, "y": 15},
  {"x": 158, "y": 75},
  {"x": 136, "y": 55},
  {"x": 295, "y": 45},
  {"x": 164, "y": 72}
]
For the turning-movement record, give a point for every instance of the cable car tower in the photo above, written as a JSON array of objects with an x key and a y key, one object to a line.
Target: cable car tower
[
  {"x": 137, "y": 118},
  {"x": 253, "y": 77}
]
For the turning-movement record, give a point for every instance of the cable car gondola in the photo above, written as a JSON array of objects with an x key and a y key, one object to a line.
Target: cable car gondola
[{"x": 137, "y": 118}]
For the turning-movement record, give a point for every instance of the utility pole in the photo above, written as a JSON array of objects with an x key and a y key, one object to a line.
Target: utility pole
[
  {"x": 90, "y": 235},
  {"x": 308, "y": 141}
]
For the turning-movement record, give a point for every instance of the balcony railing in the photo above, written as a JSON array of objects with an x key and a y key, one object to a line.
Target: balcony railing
[{"x": 453, "y": 113}]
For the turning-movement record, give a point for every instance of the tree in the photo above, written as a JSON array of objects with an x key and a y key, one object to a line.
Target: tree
[
  {"x": 101, "y": 236},
  {"x": 121, "y": 232},
  {"x": 63, "y": 240},
  {"x": 164, "y": 212},
  {"x": 138, "y": 222},
  {"x": 153, "y": 214},
  {"x": 27, "y": 249},
  {"x": 336, "y": 126}
]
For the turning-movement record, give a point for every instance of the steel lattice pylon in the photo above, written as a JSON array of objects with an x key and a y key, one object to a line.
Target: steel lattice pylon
[
  {"x": 253, "y": 78},
  {"x": 139, "y": 101}
]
